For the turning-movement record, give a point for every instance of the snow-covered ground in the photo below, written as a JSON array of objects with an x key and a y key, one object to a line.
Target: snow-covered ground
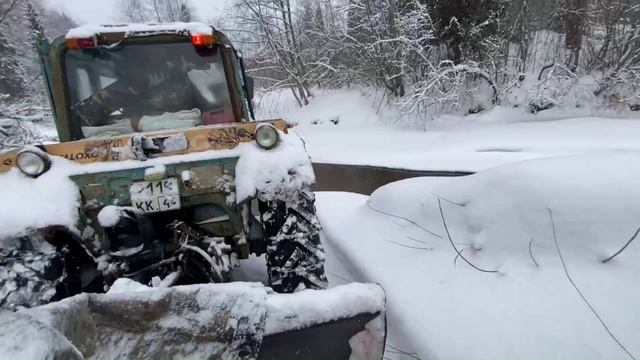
[
  {"x": 343, "y": 127},
  {"x": 534, "y": 294},
  {"x": 504, "y": 284},
  {"x": 536, "y": 233}
]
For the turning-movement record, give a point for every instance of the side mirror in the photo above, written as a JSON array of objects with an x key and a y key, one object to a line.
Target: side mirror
[{"x": 249, "y": 83}]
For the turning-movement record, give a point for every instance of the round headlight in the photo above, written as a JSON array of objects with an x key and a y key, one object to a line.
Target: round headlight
[
  {"x": 32, "y": 163},
  {"x": 267, "y": 136}
]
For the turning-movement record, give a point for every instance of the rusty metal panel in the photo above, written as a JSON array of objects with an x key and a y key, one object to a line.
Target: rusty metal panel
[
  {"x": 214, "y": 137},
  {"x": 215, "y": 185}
]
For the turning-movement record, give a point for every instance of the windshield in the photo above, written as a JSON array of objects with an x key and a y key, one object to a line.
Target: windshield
[{"x": 150, "y": 87}]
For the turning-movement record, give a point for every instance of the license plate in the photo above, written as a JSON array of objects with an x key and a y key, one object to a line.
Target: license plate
[{"x": 155, "y": 196}]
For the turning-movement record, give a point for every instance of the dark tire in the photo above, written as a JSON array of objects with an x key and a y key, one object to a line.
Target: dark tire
[
  {"x": 31, "y": 275},
  {"x": 29, "y": 278},
  {"x": 198, "y": 270},
  {"x": 295, "y": 256}
]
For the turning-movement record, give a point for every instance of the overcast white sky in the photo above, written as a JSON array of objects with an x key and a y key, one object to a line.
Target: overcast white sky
[{"x": 102, "y": 11}]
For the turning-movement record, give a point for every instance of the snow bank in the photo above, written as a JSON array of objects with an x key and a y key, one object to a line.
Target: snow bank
[
  {"x": 355, "y": 127},
  {"x": 86, "y": 31},
  {"x": 500, "y": 220},
  {"x": 472, "y": 143},
  {"x": 328, "y": 108}
]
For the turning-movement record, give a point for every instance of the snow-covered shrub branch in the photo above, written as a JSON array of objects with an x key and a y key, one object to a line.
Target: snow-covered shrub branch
[{"x": 450, "y": 88}]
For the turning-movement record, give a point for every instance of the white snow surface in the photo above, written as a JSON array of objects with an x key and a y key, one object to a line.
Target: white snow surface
[
  {"x": 299, "y": 310},
  {"x": 439, "y": 307},
  {"x": 29, "y": 203},
  {"x": 124, "y": 285},
  {"x": 110, "y": 214},
  {"x": 351, "y": 127},
  {"x": 159, "y": 170},
  {"x": 86, "y": 31}
]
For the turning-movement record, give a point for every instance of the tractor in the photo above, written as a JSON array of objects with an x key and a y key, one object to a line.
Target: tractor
[{"x": 176, "y": 181}]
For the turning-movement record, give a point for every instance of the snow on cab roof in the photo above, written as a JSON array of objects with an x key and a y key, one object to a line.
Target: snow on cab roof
[{"x": 86, "y": 31}]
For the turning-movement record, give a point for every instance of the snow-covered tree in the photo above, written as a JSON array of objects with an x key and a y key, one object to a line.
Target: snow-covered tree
[
  {"x": 56, "y": 24},
  {"x": 467, "y": 27},
  {"x": 13, "y": 82},
  {"x": 35, "y": 25},
  {"x": 6, "y": 7},
  {"x": 268, "y": 30},
  {"x": 154, "y": 10},
  {"x": 185, "y": 13}
]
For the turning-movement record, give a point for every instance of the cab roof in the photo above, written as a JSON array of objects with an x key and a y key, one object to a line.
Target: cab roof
[{"x": 180, "y": 28}]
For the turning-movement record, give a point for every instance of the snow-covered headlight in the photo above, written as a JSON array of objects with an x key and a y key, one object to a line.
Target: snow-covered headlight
[
  {"x": 33, "y": 163},
  {"x": 267, "y": 136}
]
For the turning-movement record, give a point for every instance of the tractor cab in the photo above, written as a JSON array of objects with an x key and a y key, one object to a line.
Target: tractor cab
[{"x": 116, "y": 80}]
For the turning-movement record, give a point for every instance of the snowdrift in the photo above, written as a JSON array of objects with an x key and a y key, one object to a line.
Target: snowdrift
[{"x": 519, "y": 272}]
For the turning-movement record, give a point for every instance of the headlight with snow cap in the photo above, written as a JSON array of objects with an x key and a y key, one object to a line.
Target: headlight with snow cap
[
  {"x": 267, "y": 136},
  {"x": 33, "y": 162}
]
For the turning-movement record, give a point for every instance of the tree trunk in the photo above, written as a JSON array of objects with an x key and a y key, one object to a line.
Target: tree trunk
[{"x": 575, "y": 28}]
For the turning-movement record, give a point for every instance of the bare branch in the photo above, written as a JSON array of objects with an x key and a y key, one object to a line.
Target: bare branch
[
  {"x": 623, "y": 248},
  {"x": 531, "y": 253},
  {"x": 584, "y": 299},
  {"x": 446, "y": 228},
  {"x": 8, "y": 10}
]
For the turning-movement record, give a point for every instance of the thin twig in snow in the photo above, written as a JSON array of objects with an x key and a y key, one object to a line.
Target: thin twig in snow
[
  {"x": 566, "y": 272},
  {"x": 455, "y": 261},
  {"x": 399, "y": 351},
  {"x": 449, "y": 201},
  {"x": 531, "y": 253},
  {"x": 408, "y": 246},
  {"x": 446, "y": 229},
  {"x": 416, "y": 240},
  {"x": 403, "y": 218},
  {"x": 622, "y": 249}
]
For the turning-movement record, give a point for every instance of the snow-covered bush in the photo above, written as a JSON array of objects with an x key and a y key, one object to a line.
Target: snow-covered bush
[
  {"x": 450, "y": 89},
  {"x": 25, "y": 123}
]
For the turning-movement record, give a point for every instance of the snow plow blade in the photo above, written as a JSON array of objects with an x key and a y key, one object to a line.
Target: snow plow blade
[
  {"x": 321, "y": 341},
  {"x": 212, "y": 321}
]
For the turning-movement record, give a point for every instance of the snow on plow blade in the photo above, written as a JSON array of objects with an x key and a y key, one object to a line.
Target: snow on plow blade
[{"x": 212, "y": 321}]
